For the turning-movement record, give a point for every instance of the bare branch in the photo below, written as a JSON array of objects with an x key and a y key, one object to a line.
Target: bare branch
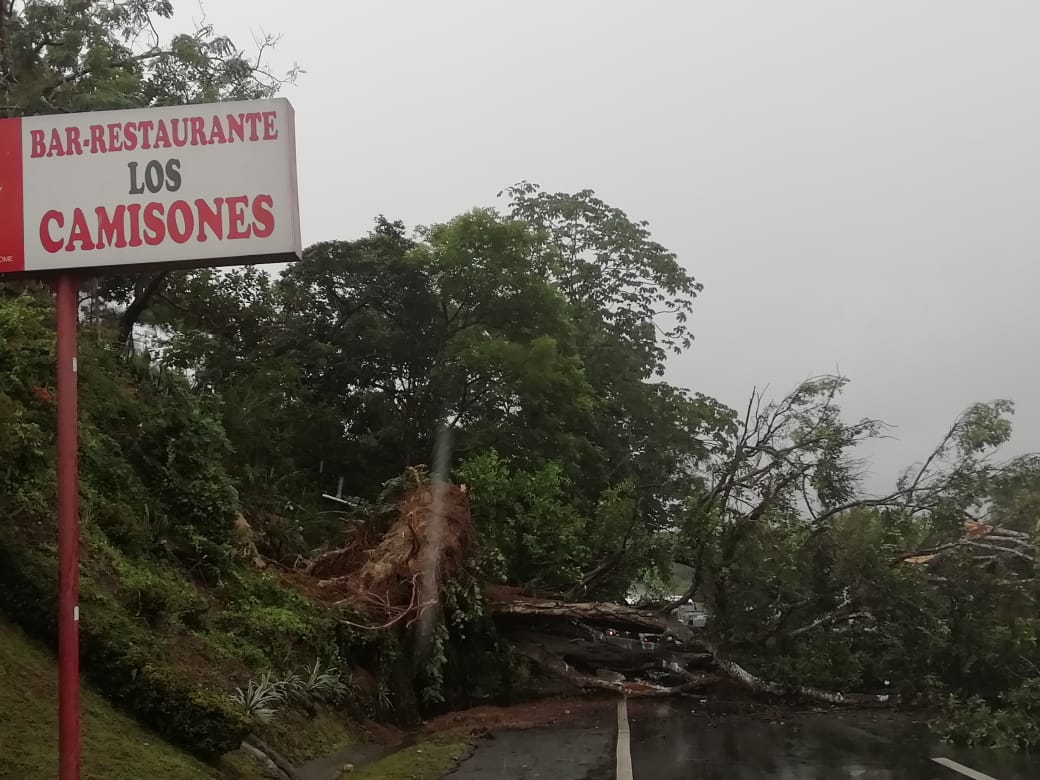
[{"x": 830, "y": 618}]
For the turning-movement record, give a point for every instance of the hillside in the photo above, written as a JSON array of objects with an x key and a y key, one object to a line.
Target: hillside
[
  {"x": 176, "y": 612},
  {"x": 114, "y": 745}
]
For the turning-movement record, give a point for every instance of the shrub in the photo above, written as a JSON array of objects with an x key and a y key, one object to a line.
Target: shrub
[
  {"x": 287, "y": 626},
  {"x": 201, "y": 721},
  {"x": 180, "y": 452},
  {"x": 1012, "y": 723},
  {"x": 156, "y": 595},
  {"x": 120, "y": 656},
  {"x": 123, "y": 660}
]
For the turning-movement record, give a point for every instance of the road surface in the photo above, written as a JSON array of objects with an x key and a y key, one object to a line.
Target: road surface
[{"x": 673, "y": 740}]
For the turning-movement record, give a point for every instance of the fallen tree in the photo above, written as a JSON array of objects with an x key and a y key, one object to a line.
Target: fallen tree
[
  {"x": 393, "y": 581},
  {"x": 571, "y": 640}
]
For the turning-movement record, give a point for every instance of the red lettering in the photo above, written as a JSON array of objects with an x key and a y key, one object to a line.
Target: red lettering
[
  {"x": 80, "y": 233},
  {"x": 263, "y": 218},
  {"x": 180, "y": 139},
  {"x": 216, "y": 133},
  {"x": 236, "y": 127},
  {"x": 97, "y": 139},
  {"x": 111, "y": 228},
  {"x": 39, "y": 148},
  {"x": 237, "y": 212},
  {"x": 135, "y": 224},
  {"x": 129, "y": 136},
  {"x": 154, "y": 223},
  {"x": 146, "y": 126},
  {"x": 198, "y": 131},
  {"x": 162, "y": 136},
  {"x": 57, "y": 147},
  {"x": 49, "y": 243},
  {"x": 155, "y": 228},
  {"x": 73, "y": 144},
  {"x": 180, "y": 230},
  {"x": 253, "y": 118},
  {"x": 210, "y": 217},
  {"x": 115, "y": 138},
  {"x": 270, "y": 131}
]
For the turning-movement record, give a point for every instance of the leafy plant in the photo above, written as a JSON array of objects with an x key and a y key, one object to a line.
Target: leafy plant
[
  {"x": 261, "y": 699},
  {"x": 383, "y": 697},
  {"x": 317, "y": 684},
  {"x": 1013, "y": 723}
]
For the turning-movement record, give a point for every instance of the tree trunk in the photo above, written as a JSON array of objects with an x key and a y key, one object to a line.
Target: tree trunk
[
  {"x": 143, "y": 296},
  {"x": 571, "y": 641},
  {"x": 559, "y": 667}
]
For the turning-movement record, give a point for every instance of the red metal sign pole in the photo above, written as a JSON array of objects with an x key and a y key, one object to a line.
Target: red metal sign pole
[{"x": 67, "y": 315}]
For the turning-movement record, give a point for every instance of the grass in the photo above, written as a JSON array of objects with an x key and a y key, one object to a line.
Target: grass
[
  {"x": 301, "y": 739},
  {"x": 426, "y": 761},
  {"x": 114, "y": 747}
]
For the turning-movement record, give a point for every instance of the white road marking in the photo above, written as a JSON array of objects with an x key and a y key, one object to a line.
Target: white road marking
[
  {"x": 624, "y": 743},
  {"x": 964, "y": 770}
]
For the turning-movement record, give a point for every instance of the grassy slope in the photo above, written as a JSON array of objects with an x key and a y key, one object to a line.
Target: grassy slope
[
  {"x": 426, "y": 761},
  {"x": 115, "y": 747},
  {"x": 300, "y": 738}
]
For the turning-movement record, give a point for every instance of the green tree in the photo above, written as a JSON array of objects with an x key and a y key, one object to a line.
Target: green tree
[
  {"x": 371, "y": 347},
  {"x": 89, "y": 55},
  {"x": 85, "y": 55},
  {"x": 629, "y": 300},
  {"x": 625, "y": 287}
]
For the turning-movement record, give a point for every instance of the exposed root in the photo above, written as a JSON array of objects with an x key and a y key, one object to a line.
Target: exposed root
[
  {"x": 396, "y": 580},
  {"x": 343, "y": 560}
]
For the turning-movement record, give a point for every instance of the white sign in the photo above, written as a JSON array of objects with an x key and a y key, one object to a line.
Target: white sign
[{"x": 185, "y": 186}]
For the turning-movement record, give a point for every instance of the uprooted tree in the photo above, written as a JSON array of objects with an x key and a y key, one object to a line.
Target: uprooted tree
[{"x": 802, "y": 568}]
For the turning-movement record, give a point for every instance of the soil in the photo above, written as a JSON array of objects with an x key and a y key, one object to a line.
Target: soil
[{"x": 574, "y": 710}]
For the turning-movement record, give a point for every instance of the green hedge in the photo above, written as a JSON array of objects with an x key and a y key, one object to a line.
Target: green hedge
[{"x": 122, "y": 659}]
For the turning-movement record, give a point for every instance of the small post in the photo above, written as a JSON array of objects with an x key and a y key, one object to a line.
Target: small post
[{"x": 67, "y": 324}]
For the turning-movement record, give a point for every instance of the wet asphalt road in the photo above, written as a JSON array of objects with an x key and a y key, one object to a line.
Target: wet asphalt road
[
  {"x": 553, "y": 753},
  {"x": 542, "y": 754},
  {"x": 670, "y": 742}
]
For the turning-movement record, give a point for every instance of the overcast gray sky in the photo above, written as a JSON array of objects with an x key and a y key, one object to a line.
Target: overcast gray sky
[{"x": 856, "y": 183}]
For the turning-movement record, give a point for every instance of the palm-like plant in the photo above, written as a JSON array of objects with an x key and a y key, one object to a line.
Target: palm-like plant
[
  {"x": 261, "y": 698},
  {"x": 318, "y": 683}
]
